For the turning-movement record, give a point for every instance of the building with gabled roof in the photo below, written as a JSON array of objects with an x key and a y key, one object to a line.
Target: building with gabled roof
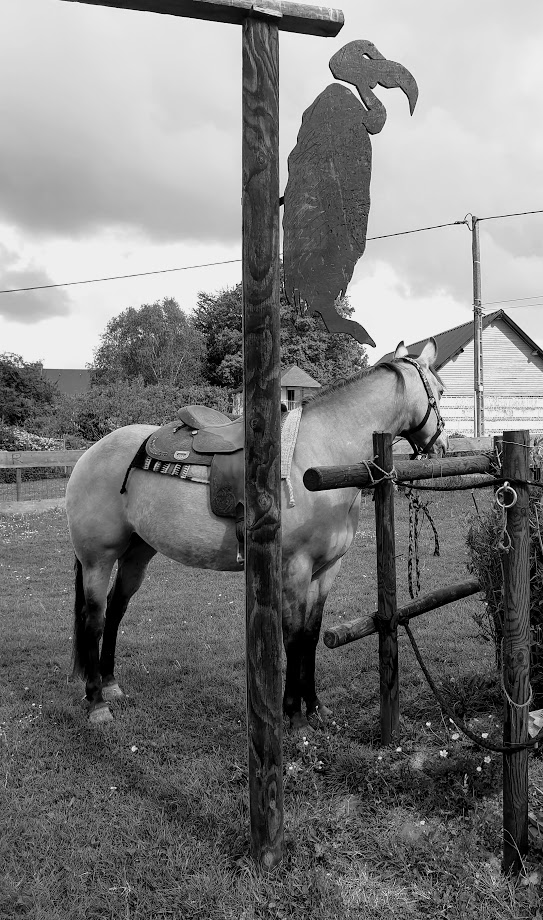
[
  {"x": 295, "y": 384},
  {"x": 512, "y": 376},
  {"x": 68, "y": 381}
]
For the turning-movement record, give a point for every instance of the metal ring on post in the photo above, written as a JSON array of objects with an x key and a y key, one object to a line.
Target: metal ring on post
[{"x": 506, "y": 487}]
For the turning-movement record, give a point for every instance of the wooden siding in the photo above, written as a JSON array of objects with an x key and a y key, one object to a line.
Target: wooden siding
[
  {"x": 509, "y": 367},
  {"x": 501, "y": 413}
]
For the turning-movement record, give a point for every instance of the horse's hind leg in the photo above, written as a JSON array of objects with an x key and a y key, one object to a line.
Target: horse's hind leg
[
  {"x": 132, "y": 566},
  {"x": 318, "y": 592},
  {"x": 91, "y": 583}
]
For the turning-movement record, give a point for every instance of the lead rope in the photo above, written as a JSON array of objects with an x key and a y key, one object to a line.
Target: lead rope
[{"x": 417, "y": 508}]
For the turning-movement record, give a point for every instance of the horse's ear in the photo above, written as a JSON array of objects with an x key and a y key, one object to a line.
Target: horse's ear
[
  {"x": 428, "y": 355},
  {"x": 401, "y": 352}
]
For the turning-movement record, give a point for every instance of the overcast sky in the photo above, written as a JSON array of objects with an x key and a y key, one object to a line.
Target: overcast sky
[{"x": 120, "y": 152}]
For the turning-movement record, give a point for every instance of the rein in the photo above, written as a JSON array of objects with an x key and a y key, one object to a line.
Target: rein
[{"x": 432, "y": 404}]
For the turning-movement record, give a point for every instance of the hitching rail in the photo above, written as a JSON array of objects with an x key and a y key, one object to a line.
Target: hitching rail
[
  {"x": 321, "y": 478},
  {"x": 515, "y": 562},
  {"x": 343, "y": 633}
]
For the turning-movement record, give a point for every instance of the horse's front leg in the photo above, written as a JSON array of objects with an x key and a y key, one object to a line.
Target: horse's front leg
[
  {"x": 316, "y": 599},
  {"x": 296, "y": 581}
]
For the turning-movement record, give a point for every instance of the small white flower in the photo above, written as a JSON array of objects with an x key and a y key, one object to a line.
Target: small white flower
[
  {"x": 133, "y": 749},
  {"x": 455, "y": 737},
  {"x": 479, "y": 769},
  {"x": 487, "y": 759},
  {"x": 428, "y": 725},
  {"x": 398, "y": 750},
  {"x": 423, "y": 822},
  {"x": 379, "y": 757},
  {"x": 484, "y": 734},
  {"x": 443, "y": 753}
]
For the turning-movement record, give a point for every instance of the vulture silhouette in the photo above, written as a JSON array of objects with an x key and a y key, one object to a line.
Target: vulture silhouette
[{"x": 327, "y": 198}]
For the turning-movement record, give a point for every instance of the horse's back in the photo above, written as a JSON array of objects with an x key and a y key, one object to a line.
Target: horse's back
[{"x": 172, "y": 515}]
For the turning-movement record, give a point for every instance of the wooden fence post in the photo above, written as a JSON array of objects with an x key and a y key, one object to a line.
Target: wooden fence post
[
  {"x": 262, "y": 411},
  {"x": 516, "y": 649},
  {"x": 386, "y": 591}
]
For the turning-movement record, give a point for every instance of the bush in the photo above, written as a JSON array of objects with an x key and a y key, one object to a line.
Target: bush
[{"x": 14, "y": 438}]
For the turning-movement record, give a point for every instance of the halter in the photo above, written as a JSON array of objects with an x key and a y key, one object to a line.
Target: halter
[{"x": 432, "y": 404}]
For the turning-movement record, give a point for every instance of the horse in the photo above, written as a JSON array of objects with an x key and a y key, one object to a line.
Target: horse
[{"x": 162, "y": 514}]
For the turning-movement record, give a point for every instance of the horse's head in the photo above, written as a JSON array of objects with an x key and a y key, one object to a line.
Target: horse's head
[{"x": 424, "y": 430}]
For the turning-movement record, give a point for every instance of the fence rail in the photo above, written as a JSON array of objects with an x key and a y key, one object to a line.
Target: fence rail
[{"x": 26, "y": 459}]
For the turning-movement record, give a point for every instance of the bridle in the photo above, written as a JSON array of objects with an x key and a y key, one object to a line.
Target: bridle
[{"x": 432, "y": 404}]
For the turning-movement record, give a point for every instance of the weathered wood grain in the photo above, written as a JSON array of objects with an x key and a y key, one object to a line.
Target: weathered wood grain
[
  {"x": 386, "y": 620},
  {"x": 516, "y": 652},
  {"x": 320, "y": 478},
  {"x": 343, "y": 633},
  {"x": 290, "y": 16},
  {"x": 262, "y": 410}
]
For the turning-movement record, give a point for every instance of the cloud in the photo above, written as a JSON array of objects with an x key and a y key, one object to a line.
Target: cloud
[
  {"x": 28, "y": 306},
  {"x": 105, "y": 124}
]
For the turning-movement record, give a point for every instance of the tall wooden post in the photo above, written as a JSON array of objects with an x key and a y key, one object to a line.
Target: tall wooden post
[
  {"x": 386, "y": 592},
  {"x": 516, "y": 650},
  {"x": 262, "y": 408}
]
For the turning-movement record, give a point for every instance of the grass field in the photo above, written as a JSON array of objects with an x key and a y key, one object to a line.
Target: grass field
[{"x": 146, "y": 818}]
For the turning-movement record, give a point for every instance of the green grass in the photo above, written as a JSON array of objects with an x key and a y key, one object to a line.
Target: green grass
[{"x": 146, "y": 818}]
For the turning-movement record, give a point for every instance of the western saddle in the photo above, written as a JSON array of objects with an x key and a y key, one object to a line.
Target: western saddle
[{"x": 201, "y": 436}]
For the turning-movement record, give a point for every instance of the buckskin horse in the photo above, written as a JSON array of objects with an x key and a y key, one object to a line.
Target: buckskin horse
[{"x": 117, "y": 513}]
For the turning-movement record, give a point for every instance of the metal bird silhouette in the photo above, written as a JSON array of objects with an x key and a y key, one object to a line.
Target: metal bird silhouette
[{"x": 327, "y": 198}]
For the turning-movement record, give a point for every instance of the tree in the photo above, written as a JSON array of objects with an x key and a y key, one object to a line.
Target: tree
[
  {"x": 24, "y": 392},
  {"x": 156, "y": 343},
  {"x": 304, "y": 340}
]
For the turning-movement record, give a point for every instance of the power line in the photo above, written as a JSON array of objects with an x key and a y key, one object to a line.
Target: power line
[
  {"x": 515, "y": 214},
  {"x": 487, "y": 303},
  {"x": 184, "y": 268},
  {"x": 159, "y": 271}
]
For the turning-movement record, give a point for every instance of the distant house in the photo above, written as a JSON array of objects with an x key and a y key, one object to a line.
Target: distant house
[
  {"x": 512, "y": 376},
  {"x": 69, "y": 382},
  {"x": 295, "y": 384}
]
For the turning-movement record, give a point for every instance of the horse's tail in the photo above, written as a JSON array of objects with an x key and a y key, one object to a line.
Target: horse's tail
[{"x": 79, "y": 654}]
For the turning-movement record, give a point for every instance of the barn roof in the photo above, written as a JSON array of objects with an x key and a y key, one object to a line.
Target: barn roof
[
  {"x": 450, "y": 342},
  {"x": 294, "y": 376},
  {"x": 70, "y": 381}
]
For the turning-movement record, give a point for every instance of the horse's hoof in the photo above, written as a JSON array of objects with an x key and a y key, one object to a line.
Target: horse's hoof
[
  {"x": 319, "y": 716},
  {"x": 100, "y": 714},
  {"x": 298, "y": 721},
  {"x": 112, "y": 692}
]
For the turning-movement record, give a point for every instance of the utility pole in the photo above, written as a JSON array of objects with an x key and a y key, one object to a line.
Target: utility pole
[{"x": 479, "y": 415}]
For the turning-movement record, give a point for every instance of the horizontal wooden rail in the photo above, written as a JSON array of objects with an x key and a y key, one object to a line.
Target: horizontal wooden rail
[
  {"x": 366, "y": 626},
  {"x": 290, "y": 16},
  {"x": 320, "y": 478},
  {"x": 26, "y": 459}
]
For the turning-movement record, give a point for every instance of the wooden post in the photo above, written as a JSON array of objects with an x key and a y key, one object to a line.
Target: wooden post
[
  {"x": 18, "y": 484},
  {"x": 516, "y": 650},
  {"x": 386, "y": 592},
  {"x": 262, "y": 410}
]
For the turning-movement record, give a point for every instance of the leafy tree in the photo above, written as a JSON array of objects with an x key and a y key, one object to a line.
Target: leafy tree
[
  {"x": 304, "y": 340},
  {"x": 24, "y": 392},
  {"x": 156, "y": 343}
]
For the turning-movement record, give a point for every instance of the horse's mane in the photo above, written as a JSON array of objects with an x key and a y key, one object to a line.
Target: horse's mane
[{"x": 344, "y": 382}]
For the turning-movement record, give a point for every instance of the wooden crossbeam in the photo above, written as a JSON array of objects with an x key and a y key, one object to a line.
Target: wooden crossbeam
[{"x": 289, "y": 16}]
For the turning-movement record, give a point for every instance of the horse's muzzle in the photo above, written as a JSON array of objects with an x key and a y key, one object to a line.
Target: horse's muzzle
[{"x": 440, "y": 446}]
